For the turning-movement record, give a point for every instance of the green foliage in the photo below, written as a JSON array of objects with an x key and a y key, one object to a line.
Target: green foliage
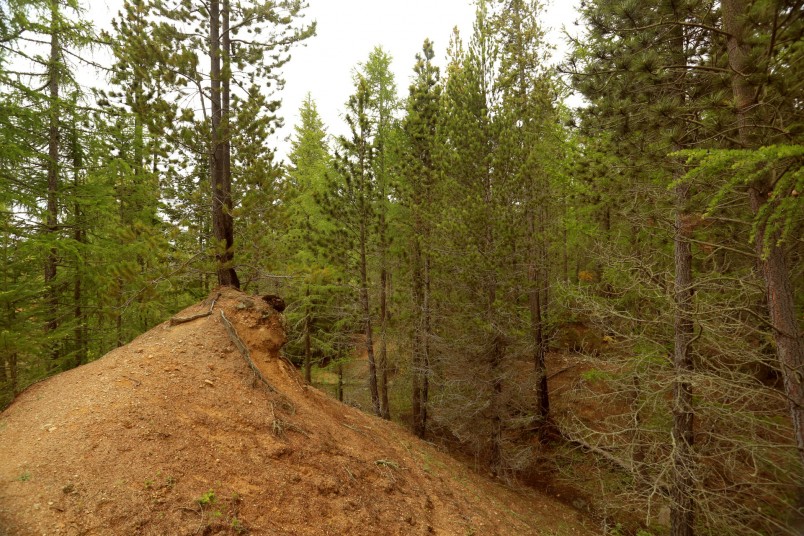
[
  {"x": 207, "y": 499},
  {"x": 737, "y": 169}
]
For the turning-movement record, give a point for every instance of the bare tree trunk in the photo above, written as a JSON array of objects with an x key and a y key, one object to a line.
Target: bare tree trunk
[
  {"x": 536, "y": 326},
  {"x": 80, "y": 237},
  {"x": 364, "y": 301},
  {"x": 307, "y": 346},
  {"x": 222, "y": 228},
  {"x": 385, "y": 409},
  {"x": 340, "y": 382},
  {"x": 684, "y": 472},
  {"x": 682, "y": 512},
  {"x": 779, "y": 291},
  {"x": 51, "y": 261},
  {"x": 425, "y": 340}
]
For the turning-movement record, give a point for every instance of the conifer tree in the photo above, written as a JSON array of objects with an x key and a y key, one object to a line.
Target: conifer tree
[
  {"x": 417, "y": 192},
  {"x": 472, "y": 224},
  {"x": 656, "y": 79},
  {"x": 235, "y": 124},
  {"x": 354, "y": 205},
  {"x": 382, "y": 106},
  {"x": 314, "y": 277},
  {"x": 528, "y": 151}
]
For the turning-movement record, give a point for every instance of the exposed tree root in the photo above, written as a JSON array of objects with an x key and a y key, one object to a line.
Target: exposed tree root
[{"x": 241, "y": 346}]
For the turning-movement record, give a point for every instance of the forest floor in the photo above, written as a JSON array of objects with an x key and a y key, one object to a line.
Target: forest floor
[{"x": 170, "y": 434}]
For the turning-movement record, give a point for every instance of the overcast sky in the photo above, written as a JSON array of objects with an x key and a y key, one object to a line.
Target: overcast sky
[{"x": 347, "y": 32}]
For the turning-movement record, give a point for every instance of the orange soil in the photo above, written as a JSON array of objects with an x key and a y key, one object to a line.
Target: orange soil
[{"x": 171, "y": 435}]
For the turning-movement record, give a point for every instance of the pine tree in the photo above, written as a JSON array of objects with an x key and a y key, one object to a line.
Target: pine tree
[
  {"x": 381, "y": 109},
  {"x": 655, "y": 76},
  {"x": 418, "y": 190},
  {"x": 234, "y": 124},
  {"x": 305, "y": 241},
  {"x": 529, "y": 147},
  {"x": 355, "y": 207}
]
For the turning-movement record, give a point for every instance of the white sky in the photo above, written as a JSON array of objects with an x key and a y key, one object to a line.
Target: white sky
[{"x": 347, "y": 32}]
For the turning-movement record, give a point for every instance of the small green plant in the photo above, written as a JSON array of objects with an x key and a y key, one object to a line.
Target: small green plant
[
  {"x": 595, "y": 375},
  {"x": 206, "y": 499},
  {"x": 149, "y": 484},
  {"x": 24, "y": 477},
  {"x": 170, "y": 482},
  {"x": 238, "y": 526}
]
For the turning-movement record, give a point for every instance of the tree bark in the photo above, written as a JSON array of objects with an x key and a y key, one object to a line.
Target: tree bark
[
  {"x": 682, "y": 510},
  {"x": 307, "y": 346},
  {"x": 385, "y": 409},
  {"x": 683, "y": 476},
  {"x": 364, "y": 301},
  {"x": 421, "y": 357},
  {"x": 54, "y": 135},
  {"x": 779, "y": 290},
  {"x": 340, "y": 382},
  {"x": 79, "y": 234},
  {"x": 536, "y": 326},
  {"x": 222, "y": 228}
]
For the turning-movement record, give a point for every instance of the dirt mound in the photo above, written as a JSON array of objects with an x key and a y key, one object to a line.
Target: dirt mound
[{"x": 172, "y": 434}]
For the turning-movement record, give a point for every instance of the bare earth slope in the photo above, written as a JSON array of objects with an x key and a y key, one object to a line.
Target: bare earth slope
[{"x": 171, "y": 435}]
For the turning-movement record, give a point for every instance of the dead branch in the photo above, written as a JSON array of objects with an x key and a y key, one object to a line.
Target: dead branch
[
  {"x": 176, "y": 320},
  {"x": 278, "y": 426},
  {"x": 562, "y": 371},
  {"x": 627, "y": 466}
]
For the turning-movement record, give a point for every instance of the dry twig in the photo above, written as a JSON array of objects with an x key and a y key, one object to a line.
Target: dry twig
[{"x": 176, "y": 320}]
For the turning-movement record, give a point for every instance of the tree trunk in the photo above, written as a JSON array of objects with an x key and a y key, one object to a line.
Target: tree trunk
[
  {"x": 119, "y": 314},
  {"x": 419, "y": 360},
  {"x": 51, "y": 261},
  {"x": 221, "y": 190},
  {"x": 494, "y": 349},
  {"x": 683, "y": 477},
  {"x": 78, "y": 313},
  {"x": 385, "y": 409},
  {"x": 307, "y": 346},
  {"x": 779, "y": 291},
  {"x": 12, "y": 363},
  {"x": 536, "y": 326},
  {"x": 426, "y": 343},
  {"x": 682, "y": 510},
  {"x": 364, "y": 301},
  {"x": 340, "y": 382}
]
